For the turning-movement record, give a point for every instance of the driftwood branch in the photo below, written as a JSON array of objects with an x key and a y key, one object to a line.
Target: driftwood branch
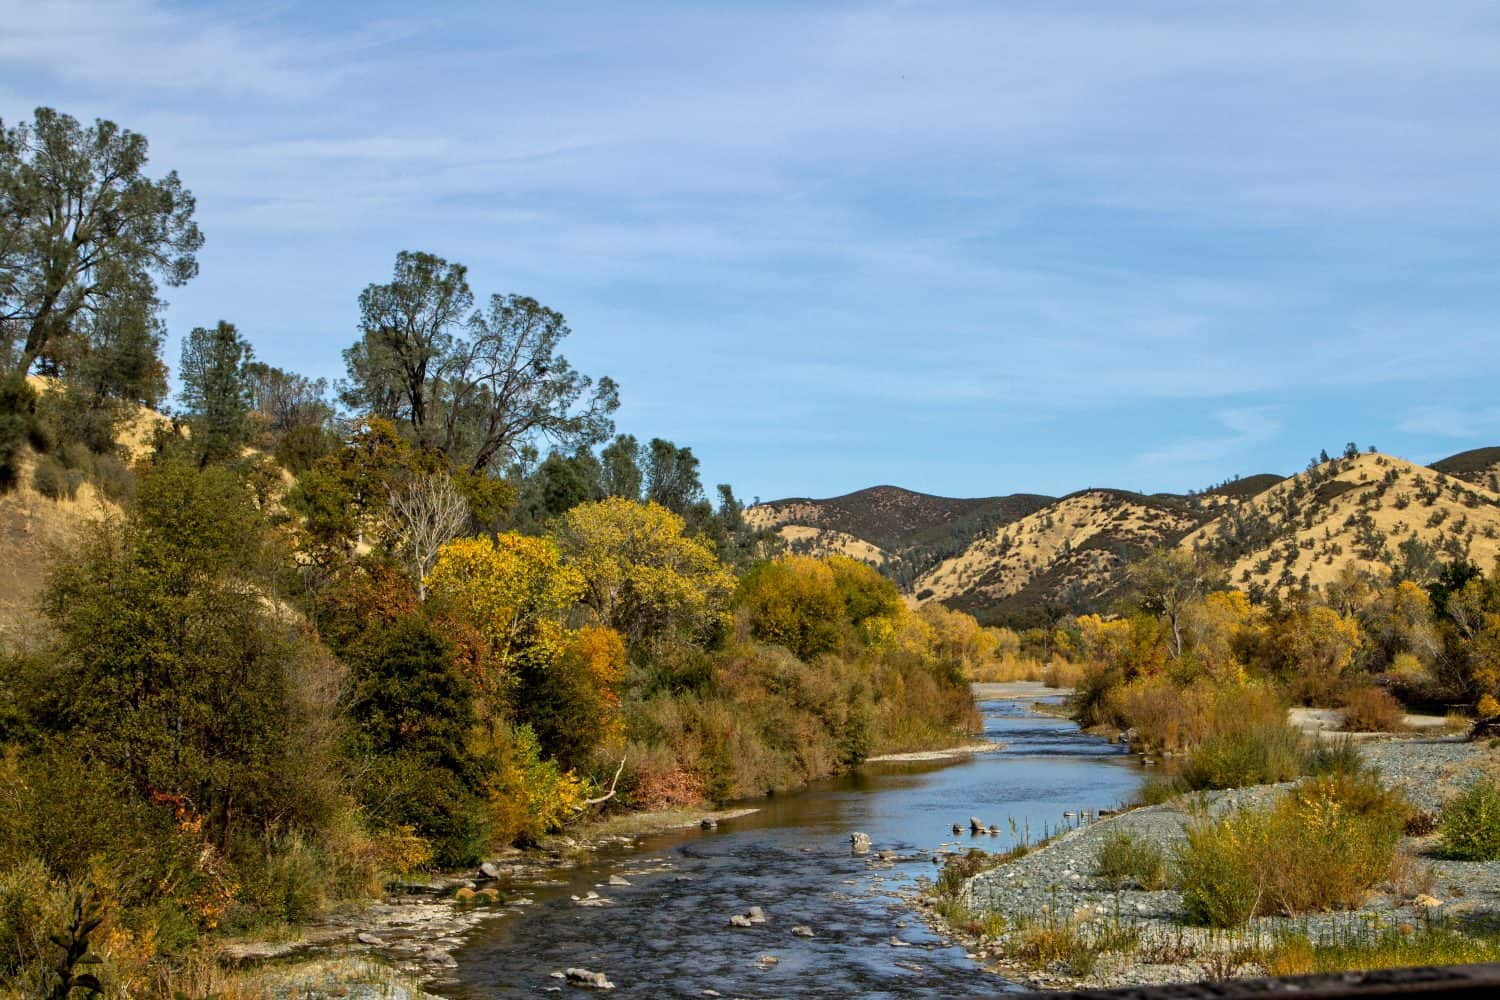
[{"x": 611, "y": 793}]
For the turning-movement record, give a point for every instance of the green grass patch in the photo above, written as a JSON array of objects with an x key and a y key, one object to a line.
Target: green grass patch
[{"x": 1386, "y": 947}]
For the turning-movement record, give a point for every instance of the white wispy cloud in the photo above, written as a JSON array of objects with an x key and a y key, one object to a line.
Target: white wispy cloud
[
  {"x": 1246, "y": 427},
  {"x": 1452, "y": 421}
]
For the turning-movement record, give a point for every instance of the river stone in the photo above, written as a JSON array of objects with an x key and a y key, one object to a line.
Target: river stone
[
  {"x": 617, "y": 880},
  {"x": 489, "y": 870},
  {"x": 708, "y": 822},
  {"x": 365, "y": 937},
  {"x": 756, "y": 915},
  {"x": 802, "y": 930},
  {"x": 976, "y": 825},
  {"x": 588, "y": 980},
  {"x": 859, "y": 843},
  {"x": 739, "y": 920}
]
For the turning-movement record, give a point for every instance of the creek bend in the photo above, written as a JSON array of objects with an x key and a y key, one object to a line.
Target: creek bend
[{"x": 668, "y": 933}]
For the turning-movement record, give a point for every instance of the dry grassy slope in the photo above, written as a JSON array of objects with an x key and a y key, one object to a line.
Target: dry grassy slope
[
  {"x": 32, "y": 529},
  {"x": 822, "y": 542},
  {"x": 1350, "y": 509},
  {"x": 1077, "y": 544}
]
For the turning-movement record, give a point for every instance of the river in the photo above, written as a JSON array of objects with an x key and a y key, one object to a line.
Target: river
[{"x": 668, "y": 934}]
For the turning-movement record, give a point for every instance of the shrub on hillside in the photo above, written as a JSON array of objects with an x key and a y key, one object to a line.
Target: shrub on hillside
[
  {"x": 1369, "y": 709},
  {"x": 114, "y": 478},
  {"x": 1470, "y": 824},
  {"x": 53, "y": 480},
  {"x": 17, "y": 401}
]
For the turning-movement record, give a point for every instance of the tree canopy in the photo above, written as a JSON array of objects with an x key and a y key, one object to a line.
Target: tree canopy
[
  {"x": 83, "y": 230},
  {"x": 473, "y": 384}
]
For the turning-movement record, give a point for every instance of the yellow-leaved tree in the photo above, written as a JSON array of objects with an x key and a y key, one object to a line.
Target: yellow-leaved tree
[
  {"x": 514, "y": 590},
  {"x": 641, "y": 575}
]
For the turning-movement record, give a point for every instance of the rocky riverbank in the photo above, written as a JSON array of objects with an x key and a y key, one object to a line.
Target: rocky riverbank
[
  {"x": 390, "y": 948},
  {"x": 1059, "y": 885}
]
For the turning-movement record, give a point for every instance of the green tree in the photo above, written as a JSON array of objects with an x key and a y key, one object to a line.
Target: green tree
[
  {"x": 284, "y": 401},
  {"x": 672, "y": 476},
  {"x": 411, "y": 713},
  {"x": 171, "y": 668},
  {"x": 216, "y": 391},
  {"x": 408, "y": 327},
  {"x": 559, "y": 484},
  {"x": 474, "y": 386},
  {"x": 83, "y": 229},
  {"x": 1167, "y": 581},
  {"x": 621, "y": 461},
  {"x": 506, "y": 384},
  {"x": 115, "y": 362}
]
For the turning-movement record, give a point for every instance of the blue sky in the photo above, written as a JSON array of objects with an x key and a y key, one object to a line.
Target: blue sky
[{"x": 965, "y": 248}]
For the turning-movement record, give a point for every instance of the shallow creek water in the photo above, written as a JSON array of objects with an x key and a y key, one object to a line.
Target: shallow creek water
[{"x": 668, "y": 933}]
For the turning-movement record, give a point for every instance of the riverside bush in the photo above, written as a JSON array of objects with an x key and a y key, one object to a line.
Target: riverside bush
[
  {"x": 1321, "y": 846},
  {"x": 1124, "y": 858},
  {"x": 1373, "y": 710},
  {"x": 1470, "y": 824},
  {"x": 1262, "y": 754},
  {"x": 1166, "y": 716}
]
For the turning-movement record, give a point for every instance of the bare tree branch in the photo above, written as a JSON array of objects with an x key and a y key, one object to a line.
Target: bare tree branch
[
  {"x": 429, "y": 512},
  {"x": 608, "y": 795}
]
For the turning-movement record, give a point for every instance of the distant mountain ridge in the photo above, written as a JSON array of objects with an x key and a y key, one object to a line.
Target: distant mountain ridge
[
  {"x": 1481, "y": 466},
  {"x": 1027, "y": 558}
]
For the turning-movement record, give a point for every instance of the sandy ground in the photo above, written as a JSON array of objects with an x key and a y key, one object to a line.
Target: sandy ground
[
  {"x": 1322, "y": 722},
  {"x": 1017, "y": 691},
  {"x": 948, "y": 753}
]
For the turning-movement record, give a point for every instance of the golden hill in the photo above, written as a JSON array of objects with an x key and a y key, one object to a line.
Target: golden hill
[
  {"x": 805, "y": 540},
  {"x": 1376, "y": 510},
  {"x": 1066, "y": 556}
]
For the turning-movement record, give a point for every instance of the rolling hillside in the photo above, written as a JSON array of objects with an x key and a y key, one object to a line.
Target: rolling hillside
[
  {"x": 900, "y": 531},
  {"x": 1375, "y": 509},
  {"x": 1065, "y": 557},
  {"x": 1026, "y": 558}
]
